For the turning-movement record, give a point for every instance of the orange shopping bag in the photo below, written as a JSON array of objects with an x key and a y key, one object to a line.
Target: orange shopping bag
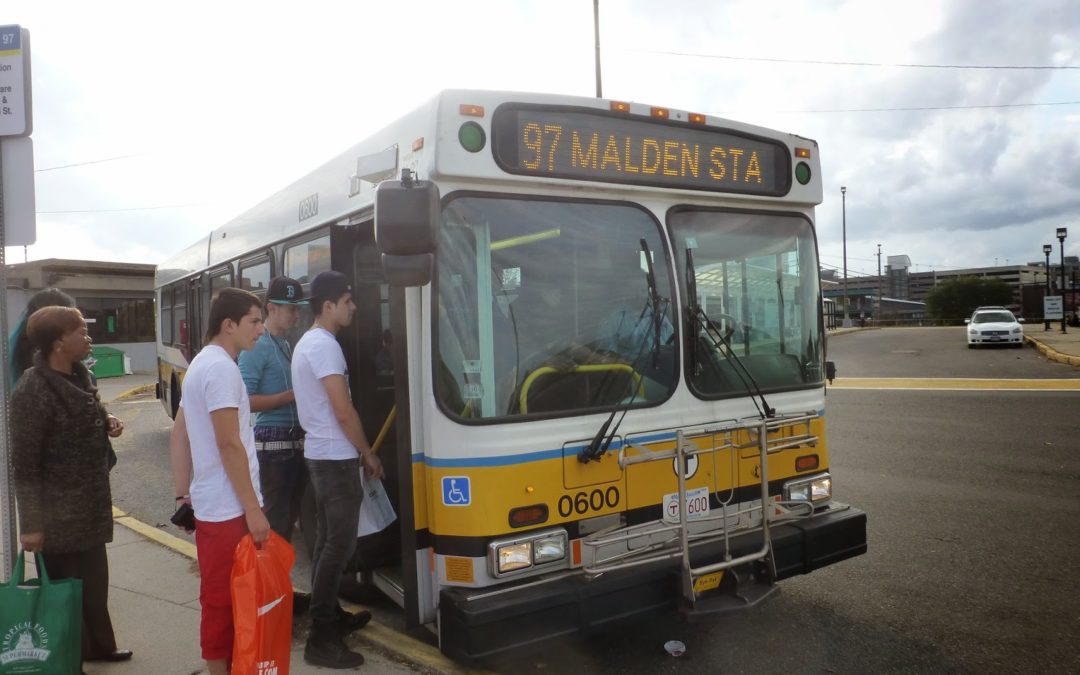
[{"x": 262, "y": 606}]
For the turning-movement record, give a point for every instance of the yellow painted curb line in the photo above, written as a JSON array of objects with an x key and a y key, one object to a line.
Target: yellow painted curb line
[
  {"x": 1053, "y": 354},
  {"x": 150, "y": 532},
  {"x": 410, "y": 649},
  {"x": 135, "y": 391}
]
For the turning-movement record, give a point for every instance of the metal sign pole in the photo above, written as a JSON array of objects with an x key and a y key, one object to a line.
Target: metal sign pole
[
  {"x": 17, "y": 228},
  {"x": 8, "y": 525}
]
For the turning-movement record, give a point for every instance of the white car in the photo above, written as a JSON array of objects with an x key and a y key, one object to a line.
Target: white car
[{"x": 995, "y": 326}]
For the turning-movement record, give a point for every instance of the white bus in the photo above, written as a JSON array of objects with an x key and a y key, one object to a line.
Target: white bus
[{"x": 608, "y": 386}]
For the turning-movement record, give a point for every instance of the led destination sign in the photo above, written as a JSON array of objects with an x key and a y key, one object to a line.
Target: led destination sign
[{"x": 604, "y": 147}]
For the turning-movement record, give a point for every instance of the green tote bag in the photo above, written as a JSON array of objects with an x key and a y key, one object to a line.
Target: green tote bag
[{"x": 40, "y": 624}]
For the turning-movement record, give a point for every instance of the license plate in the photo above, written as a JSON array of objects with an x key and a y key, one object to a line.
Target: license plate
[{"x": 697, "y": 505}]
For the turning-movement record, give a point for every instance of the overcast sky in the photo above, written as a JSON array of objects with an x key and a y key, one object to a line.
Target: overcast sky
[{"x": 211, "y": 106}]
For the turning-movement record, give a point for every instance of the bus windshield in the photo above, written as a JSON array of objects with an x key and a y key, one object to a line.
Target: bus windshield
[
  {"x": 543, "y": 307},
  {"x": 757, "y": 281}
]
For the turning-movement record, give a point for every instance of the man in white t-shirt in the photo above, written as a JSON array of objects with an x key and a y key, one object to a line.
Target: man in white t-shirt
[
  {"x": 334, "y": 449},
  {"x": 214, "y": 465}
]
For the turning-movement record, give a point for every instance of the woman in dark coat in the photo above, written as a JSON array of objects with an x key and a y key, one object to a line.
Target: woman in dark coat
[{"x": 61, "y": 461}]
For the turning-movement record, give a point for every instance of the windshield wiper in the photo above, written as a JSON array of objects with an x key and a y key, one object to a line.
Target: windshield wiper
[
  {"x": 603, "y": 439},
  {"x": 718, "y": 339},
  {"x": 654, "y": 298}
]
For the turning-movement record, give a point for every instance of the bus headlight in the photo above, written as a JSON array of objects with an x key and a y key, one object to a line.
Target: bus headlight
[
  {"x": 814, "y": 489},
  {"x": 540, "y": 550},
  {"x": 549, "y": 549},
  {"x": 514, "y": 557}
]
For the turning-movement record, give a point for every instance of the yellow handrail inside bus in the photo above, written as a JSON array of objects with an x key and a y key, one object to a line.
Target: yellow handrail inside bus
[
  {"x": 385, "y": 429},
  {"x": 591, "y": 368}
]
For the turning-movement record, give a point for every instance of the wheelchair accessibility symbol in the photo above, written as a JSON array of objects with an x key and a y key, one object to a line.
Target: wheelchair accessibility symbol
[{"x": 455, "y": 491}]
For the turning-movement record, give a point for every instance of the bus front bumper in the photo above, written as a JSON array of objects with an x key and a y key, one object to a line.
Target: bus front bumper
[{"x": 473, "y": 628}]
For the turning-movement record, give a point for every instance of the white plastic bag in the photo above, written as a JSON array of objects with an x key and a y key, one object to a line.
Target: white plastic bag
[{"x": 376, "y": 511}]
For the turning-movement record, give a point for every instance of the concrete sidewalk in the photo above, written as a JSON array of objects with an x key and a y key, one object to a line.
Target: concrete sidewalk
[
  {"x": 1053, "y": 344},
  {"x": 154, "y": 602}
]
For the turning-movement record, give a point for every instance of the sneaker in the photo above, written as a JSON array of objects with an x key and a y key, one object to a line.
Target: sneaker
[{"x": 326, "y": 648}]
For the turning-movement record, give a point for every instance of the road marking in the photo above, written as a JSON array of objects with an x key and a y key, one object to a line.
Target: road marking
[
  {"x": 956, "y": 384},
  {"x": 134, "y": 391},
  {"x": 411, "y": 649},
  {"x": 150, "y": 532}
]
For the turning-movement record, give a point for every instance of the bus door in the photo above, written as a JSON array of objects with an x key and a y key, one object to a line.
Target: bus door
[
  {"x": 389, "y": 558},
  {"x": 407, "y": 222}
]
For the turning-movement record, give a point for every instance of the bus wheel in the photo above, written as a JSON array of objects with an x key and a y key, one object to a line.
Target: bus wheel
[{"x": 174, "y": 398}]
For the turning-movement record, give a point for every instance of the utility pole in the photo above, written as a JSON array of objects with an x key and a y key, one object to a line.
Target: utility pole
[
  {"x": 596, "y": 34},
  {"x": 843, "y": 211},
  {"x": 1062, "y": 233},
  {"x": 878, "y": 317},
  {"x": 1047, "y": 250}
]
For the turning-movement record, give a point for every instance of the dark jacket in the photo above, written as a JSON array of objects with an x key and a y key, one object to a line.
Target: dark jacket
[{"x": 61, "y": 459}]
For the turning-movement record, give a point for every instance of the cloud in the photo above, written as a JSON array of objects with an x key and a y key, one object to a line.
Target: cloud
[{"x": 222, "y": 104}]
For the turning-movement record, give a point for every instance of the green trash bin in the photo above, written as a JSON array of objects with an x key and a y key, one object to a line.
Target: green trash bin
[{"x": 110, "y": 362}]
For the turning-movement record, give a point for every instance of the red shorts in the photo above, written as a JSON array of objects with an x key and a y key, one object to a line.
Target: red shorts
[{"x": 216, "y": 544}]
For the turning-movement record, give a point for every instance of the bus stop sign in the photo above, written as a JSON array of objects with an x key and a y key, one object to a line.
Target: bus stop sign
[{"x": 14, "y": 81}]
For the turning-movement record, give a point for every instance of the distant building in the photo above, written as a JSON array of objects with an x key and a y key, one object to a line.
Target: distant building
[
  {"x": 117, "y": 300},
  {"x": 900, "y": 283}
]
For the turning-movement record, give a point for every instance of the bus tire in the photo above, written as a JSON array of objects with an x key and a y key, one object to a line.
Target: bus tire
[{"x": 174, "y": 398}]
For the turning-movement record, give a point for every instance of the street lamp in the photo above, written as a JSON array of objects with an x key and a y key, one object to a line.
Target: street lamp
[
  {"x": 877, "y": 314},
  {"x": 843, "y": 211},
  {"x": 1047, "y": 250},
  {"x": 1061, "y": 234}
]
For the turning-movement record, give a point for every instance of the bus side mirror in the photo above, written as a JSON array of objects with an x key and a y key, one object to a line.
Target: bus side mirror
[
  {"x": 830, "y": 371},
  {"x": 406, "y": 229}
]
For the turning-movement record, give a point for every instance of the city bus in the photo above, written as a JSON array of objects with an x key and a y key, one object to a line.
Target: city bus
[{"x": 600, "y": 323}]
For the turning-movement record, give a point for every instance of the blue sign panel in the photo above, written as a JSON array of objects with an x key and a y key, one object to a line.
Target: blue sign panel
[
  {"x": 455, "y": 491},
  {"x": 10, "y": 38}
]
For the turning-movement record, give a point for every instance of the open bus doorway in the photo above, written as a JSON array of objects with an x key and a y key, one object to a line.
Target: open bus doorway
[{"x": 368, "y": 355}]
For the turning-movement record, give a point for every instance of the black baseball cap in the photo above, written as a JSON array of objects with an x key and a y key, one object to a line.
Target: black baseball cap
[
  {"x": 329, "y": 285},
  {"x": 286, "y": 291}
]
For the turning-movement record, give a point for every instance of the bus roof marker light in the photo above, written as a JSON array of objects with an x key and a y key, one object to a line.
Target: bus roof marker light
[
  {"x": 619, "y": 106},
  {"x": 802, "y": 152},
  {"x": 470, "y": 110},
  {"x": 802, "y": 173},
  {"x": 660, "y": 113},
  {"x": 472, "y": 137},
  {"x": 696, "y": 118}
]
